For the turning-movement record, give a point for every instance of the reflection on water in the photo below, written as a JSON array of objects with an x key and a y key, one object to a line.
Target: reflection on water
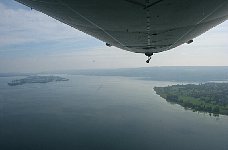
[{"x": 90, "y": 112}]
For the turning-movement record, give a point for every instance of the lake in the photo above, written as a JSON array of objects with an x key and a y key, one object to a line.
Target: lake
[{"x": 96, "y": 113}]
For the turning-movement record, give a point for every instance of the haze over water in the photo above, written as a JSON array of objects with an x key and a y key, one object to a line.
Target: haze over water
[{"x": 96, "y": 112}]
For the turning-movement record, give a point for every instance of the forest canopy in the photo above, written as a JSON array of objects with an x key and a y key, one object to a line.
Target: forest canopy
[{"x": 207, "y": 97}]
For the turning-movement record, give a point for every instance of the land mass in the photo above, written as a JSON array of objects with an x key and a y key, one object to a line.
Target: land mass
[
  {"x": 207, "y": 97},
  {"x": 178, "y": 74},
  {"x": 37, "y": 79}
]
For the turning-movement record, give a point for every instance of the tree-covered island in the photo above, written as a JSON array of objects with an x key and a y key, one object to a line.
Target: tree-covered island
[
  {"x": 207, "y": 97},
  {"x": 36, "y": 79}
]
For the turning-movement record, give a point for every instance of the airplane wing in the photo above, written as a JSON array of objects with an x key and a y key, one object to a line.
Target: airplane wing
[{"x": 140, "y": 26}]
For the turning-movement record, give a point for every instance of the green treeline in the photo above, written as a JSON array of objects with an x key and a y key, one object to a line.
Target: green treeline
[{"x": 208, "y": 97}]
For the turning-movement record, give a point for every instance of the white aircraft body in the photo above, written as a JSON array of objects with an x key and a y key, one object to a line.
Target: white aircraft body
[{"x": 140, "y": 26}]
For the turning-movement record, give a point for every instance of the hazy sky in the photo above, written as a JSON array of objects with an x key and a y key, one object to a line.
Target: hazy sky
[{"x": 32, "y": 42}]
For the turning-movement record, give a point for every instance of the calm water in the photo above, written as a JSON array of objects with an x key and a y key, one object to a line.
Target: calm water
[{"x": 102, "y": 113}]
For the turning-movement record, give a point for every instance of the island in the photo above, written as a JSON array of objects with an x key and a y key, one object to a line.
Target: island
[
  {"x": 207, "y": 97},
  {"x": 36, "y": 79}
]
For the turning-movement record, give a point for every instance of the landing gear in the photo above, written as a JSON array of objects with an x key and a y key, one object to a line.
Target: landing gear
[
  {"x": 148, "y": 60},
  {"x": 149, "y": 57}
]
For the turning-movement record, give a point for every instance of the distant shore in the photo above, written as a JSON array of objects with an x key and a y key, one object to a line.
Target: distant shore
[{"x": 36, "y": 79}]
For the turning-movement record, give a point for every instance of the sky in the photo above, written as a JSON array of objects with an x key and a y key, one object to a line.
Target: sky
[{"x": 31, "y": 41}]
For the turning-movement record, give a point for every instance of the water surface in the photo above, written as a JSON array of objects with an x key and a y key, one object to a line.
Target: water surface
[{"x": 95, "y": 113}]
